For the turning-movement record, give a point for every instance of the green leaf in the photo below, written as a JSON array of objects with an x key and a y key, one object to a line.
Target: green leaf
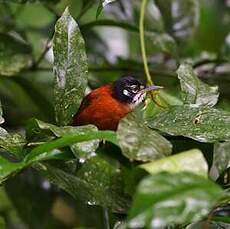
[
  {"x": 96, "y": 183},
  {"x": 189, "y": 161},
  {"x": 82, "y": 150},
  {"x": 14, "y": 143},
  {"x": 15, "y": 54},
  {"x": 221, "y": 157},
  {"x": 8, "y": 168},
  {"x": 70, "y": 68},
  {"x": 194, "y": 90},
  {"x": 164, "y": 199},
  {"x": 107, "y": 184},
  {"x": 138, "y": 142},
  {"x": 68, "y": 140},
  {"x": 202, "y": 124}
]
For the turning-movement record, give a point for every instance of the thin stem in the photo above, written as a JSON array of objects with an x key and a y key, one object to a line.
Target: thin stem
[
  {"x": 41, "y": 57},
  {"x": 142, "y": 40},
  {"x": 106, "y": 218}
]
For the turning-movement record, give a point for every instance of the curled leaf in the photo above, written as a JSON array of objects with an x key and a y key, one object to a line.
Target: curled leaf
[{"x": 194, "y": 90}]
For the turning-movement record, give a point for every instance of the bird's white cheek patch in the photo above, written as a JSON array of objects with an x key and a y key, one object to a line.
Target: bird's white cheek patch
[{"x": 125, "y": 92}]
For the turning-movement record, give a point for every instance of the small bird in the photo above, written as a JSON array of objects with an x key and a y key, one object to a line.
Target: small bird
[{"x": 107, "y": 105}]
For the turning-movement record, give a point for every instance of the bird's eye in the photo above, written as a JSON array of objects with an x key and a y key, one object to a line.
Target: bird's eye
[{"x": 134, "y": 88}]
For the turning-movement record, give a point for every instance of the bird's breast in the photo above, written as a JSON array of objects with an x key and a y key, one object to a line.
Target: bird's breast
[{"x": 101, "y": 109}]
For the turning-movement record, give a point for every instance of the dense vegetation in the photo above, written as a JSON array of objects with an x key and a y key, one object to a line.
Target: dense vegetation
[{"x": 167, "y": 165}]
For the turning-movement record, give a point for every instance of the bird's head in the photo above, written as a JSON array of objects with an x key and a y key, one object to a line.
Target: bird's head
[{"x": 131, "y": 91}]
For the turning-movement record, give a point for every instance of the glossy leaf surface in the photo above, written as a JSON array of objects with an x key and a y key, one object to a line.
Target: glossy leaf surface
[
  {"x": 164, "y": 199},
  {"x": 194, "y": 90},
  {"x": 138, "y": 142},
  {"x": 96, "y": 183},
  {"x": 199, "y": 123},
  {"x": 70, "y": 68},
  {"x": 190, "y": 161}
]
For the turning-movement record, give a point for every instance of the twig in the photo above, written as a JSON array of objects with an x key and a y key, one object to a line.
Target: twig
[
  {"x": 208, "y": 61},
  {"x": 142, "y": 40},
  {"x": 106, "y": 218},
  {"x": 41, "y": 57}
]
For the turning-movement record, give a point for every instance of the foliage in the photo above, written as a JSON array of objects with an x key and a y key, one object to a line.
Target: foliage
[{"x": 167, "y": 165}]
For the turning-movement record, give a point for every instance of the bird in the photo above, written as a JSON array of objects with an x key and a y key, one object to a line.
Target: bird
[{"x": 105, "y": 106}]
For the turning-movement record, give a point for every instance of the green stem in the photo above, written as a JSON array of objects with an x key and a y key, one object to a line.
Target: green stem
[{"x": 142, "y": 40}]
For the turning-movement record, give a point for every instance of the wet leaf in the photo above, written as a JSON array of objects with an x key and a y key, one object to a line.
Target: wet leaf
[
  {"x": 138, "y": 142},
  {"x": 203, "y": 124},
  {"x": 166, "y": 198},
  {"x": 106, "y": 179},
  {"x": 189, "y": 161},
  {"x": 15, "y": 54},
  {"x": 82, "y": 150},
  {"x": 8, "y": 168},
  {"x": 70, "y": 68},
  {"x": 194, "y": 90},
  {"x": 96, "y": 183},
  {"x": 13, "y": 143}
]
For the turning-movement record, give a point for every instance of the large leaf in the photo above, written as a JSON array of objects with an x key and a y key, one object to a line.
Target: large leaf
[
  {"x": 15, "y": 54},
  {"x": 13, "y": 143},
  {"x": 70, "y": 68},
  {"x": 96, "y": 183},
  {"x": 138, "y": 142},
  {"x": 203, "y": 124},
  {"x": 82, "y": 150},
  {"x": 194, "y": 90},
  {"x": 190, "y": 161},
  {"x": 166, "y": 199}
]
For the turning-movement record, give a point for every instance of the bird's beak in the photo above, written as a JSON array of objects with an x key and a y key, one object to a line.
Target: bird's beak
[{"x": 151, "y": 88}]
